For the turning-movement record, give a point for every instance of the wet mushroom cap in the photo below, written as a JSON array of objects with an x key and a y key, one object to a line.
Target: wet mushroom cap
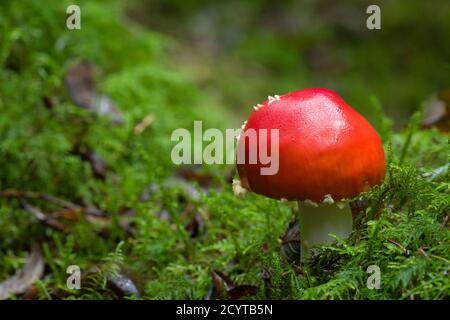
[{"x": 325, "y": 148}]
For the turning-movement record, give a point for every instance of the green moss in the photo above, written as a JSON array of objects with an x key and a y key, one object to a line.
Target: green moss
[{"x": 408, "y": 241}]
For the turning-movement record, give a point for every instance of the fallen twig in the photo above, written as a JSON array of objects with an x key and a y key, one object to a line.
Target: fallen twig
[
  {"x": 147, "y": 121},
  {"x": 405, "y": 251},
  {"x": 42, "y": 217},
  {"x": 20, "y": 194}
]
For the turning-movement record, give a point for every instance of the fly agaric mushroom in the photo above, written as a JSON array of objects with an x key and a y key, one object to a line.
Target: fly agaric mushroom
[{"x": 328, "y": 154}]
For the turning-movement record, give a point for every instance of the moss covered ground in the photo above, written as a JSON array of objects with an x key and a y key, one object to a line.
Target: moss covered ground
[{"x": 173, "y": 231}]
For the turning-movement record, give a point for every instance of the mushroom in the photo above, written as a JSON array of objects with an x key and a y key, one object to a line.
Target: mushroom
[{"x": 328, "y": 154}]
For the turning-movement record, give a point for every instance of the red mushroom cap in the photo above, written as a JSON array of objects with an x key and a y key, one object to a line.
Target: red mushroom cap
[{"x": 325, "y": 148}]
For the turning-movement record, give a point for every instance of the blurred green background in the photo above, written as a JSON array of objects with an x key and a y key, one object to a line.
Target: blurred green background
[{"x": 242, "y": 51}]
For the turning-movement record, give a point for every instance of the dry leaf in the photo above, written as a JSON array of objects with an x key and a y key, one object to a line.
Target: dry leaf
[
  {"x": 25, "y": 277},
  {"x": 290, "y": 242},
  {"x": 242, "y": 291},
  {"x": 222, "y": 287},
  {"x": 219, "y": 287},
  {"x": 80, "y": 83},
  {"x": 437, "y": 111}
]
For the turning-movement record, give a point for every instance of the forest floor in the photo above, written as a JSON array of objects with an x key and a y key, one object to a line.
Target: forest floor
[{"x": 81, "y": 186}]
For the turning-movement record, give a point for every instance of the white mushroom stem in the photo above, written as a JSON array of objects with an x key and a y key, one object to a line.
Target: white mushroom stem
[{"x": 319, "y": 220}]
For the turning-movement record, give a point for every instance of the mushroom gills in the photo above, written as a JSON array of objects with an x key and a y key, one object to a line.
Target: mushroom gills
[{"x": 318, "y": 222}]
